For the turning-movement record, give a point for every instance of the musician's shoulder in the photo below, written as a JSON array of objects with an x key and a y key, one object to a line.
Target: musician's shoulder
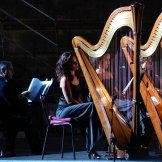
[{"x": 64, "y": 80}]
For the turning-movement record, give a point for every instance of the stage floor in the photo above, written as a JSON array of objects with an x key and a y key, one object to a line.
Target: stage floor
[
  {"x": 53, "y": 151},
  {"x": 68, "y": 156}
]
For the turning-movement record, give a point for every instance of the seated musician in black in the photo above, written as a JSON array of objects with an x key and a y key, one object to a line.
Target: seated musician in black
[
  {"x": 71, "y": 103},
  {"x": 147, "y": 66},
  {"x": 14, "y": 113}
]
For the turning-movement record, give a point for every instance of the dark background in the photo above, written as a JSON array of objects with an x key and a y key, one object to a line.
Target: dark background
[{"x": 34, "y": 56}]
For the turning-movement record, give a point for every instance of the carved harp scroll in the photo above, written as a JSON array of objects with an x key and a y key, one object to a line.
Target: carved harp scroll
[
  {"x": 147, "y": 89},
  {"x": 105, "y": 108}
]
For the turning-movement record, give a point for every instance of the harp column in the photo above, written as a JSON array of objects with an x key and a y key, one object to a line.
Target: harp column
[{"x": 137, "y": 10}]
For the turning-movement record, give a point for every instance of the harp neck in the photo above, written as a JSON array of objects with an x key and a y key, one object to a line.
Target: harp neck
[
  {"x": 119, "y": 18},
  {"x": 152, "y": 43}
]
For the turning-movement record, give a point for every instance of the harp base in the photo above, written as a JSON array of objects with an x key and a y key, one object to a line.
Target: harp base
[{"x": 117, "y": 154}]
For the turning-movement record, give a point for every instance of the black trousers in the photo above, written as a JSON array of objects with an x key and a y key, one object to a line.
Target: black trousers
[
  {"x": 86, "y": 118},
  {"x": 12, "y": 125}
]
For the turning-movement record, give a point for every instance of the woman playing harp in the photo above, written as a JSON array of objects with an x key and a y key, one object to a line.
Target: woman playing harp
[{"x": 83, "y": 114}]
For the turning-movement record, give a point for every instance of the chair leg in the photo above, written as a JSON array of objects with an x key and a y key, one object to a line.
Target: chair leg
[
  {"x": 44, "y": 143},
  {"x": 72, "y": 139},
  {"x": 62, "y": 142}
]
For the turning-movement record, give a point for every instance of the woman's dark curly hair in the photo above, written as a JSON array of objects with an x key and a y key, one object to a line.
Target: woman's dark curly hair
[{"x": 63, "y": 65}]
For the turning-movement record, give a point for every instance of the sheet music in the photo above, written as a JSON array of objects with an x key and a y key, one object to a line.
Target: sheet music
[{"x": 38, "y": 88}]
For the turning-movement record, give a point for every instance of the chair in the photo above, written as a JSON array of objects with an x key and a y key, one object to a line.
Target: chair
[{"x": 53, "y": 121}]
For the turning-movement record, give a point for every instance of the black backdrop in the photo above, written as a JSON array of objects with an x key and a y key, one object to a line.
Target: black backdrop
[{"x": 32, "y": 55}]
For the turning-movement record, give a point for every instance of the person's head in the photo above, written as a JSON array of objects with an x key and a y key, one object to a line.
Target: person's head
[
  {"x": 6, "y": 69},
  {"x": 66, "y": 63},
  {"x": 147, "y": 64},
  {"x": 104, "y": 61}
]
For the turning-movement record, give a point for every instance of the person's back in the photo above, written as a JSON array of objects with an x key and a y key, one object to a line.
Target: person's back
[
  {"x": 14, "y": 113},
  {"x": 3, "y": 102}
]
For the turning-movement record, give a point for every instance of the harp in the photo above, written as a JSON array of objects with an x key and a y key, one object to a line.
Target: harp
[
  {"x": 107, "y": 111},
  {"x": 147, "y": 89}
]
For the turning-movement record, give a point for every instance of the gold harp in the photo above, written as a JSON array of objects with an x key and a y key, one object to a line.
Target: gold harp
[
  {"x": 147, "y": 88},
  {"x": 106, "y": 109}
]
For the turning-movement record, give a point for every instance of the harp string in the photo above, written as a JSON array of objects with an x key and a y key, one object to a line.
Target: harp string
[
  {"x": 120, "y": 128},
  {"x": 147, "y": 90}
]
